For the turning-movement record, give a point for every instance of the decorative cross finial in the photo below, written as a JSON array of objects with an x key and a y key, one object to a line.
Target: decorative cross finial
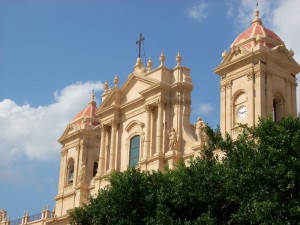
[
  {"x": 139, "y": 42},
  {"x": 93, "y": 95},
  {"x": 257, "y": 19}
]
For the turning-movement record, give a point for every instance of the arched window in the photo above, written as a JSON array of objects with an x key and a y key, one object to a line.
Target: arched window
[
  {"x": 278, "y": 112},
  {"x": 239, "y": 108},
  {"x": 95, "y": 169},
  {"x": 70, "y": 173},
  {"x": 134, "y": 152}
]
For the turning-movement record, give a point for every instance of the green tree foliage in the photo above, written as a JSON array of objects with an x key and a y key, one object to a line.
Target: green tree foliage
[{"x": 257, "y": 182}]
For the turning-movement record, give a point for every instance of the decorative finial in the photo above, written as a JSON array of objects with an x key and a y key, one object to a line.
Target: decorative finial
[
  {"x": 162, "y": 59},
  {"x": 93, "y": 95},
  {"x": 106, "y": 87},
  {"x": 257, "y": 19},
  {"x": 149, "y": 64},
  {"x": 116, "y": 80},
  {"x": 178, "y": 59},
  {"x": 92, "y": 101},
  {"x": 224, "y": 54},
  {"x": 139, "y": 63}
]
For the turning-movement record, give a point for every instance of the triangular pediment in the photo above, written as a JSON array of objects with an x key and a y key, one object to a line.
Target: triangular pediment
[
  {"x": 236, "y": 52},
  {"x": 284, "y": 54},
  {"x": 71, "y": 128},
  {"x": 136, "y": 84},
  {"x": 130, "y": 91}
]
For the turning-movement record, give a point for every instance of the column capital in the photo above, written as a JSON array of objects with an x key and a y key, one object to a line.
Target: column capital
[
  {"x": 64, "y": 152},
  {"x": 160, "y": 101},
  {"x": 222, "y": 87},
  {"x": 114, "y": 122},
  {"x": 249, "y": 76},
  {"x": 148, "y": 108},
  {"x": 228, "y": 85}
]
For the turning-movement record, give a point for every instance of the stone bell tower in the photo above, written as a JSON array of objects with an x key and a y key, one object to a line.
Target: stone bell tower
[{"x": 258, "y": 78}]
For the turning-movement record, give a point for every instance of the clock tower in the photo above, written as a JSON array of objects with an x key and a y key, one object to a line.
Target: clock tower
[{"x": 258, "y": 79}]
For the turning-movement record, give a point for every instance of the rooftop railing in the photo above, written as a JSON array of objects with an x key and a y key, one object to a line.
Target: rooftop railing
[
  {"x": 16, "y": 222},
  {"x": 34, "y": 217},
  {"x": 45, "y": 214}
]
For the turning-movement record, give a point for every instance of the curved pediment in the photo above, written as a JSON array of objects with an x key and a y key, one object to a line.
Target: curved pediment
[{"x": 134, "y": 123}]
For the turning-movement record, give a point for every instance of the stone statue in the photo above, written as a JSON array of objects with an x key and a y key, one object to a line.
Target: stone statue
[
  {"x": 199, "y": 125},
  {"x": 172, "y": 140},
  {"x": 82, "y": 173}
]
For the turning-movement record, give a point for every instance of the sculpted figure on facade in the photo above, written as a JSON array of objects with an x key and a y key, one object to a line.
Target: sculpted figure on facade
[
  {"x": 172, "y": 140},
  {"x": 82, "y": 173},
  {"x": 200, "y": 132}
]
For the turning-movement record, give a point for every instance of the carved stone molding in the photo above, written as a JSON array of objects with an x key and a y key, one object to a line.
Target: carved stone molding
[
  {"x": 257, "y": 74},
  {"x": 114, "y": 122},
  {"x": 236, "y": 50},
  {"x": 148, "y": 108},
  {"x": 64, "y": 152},
  {"x": 222, "y": 87},
  {"x": 249, "y": 76},
  {"x": 228, "y": 85},
  {"x": 177, "y": 102},
  {"x": 161, "y": 102}
]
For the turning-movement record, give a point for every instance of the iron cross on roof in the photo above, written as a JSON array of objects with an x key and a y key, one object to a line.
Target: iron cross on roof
[{"x": 139, "y": 42}]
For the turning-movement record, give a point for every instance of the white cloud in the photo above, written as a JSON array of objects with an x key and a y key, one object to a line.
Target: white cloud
[
  {"x": 204, "y": 109},
  {"x": 243, "y": 11},
  {"x": 32, "y": 131},
  {"x": 198, "y": 12}
]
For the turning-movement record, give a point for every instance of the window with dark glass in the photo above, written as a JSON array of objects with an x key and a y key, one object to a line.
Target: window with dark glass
[
  {"x": 70, "y": 175},
  {"x": 95, "y": 169},
  {"x": 134, "y": 153}
]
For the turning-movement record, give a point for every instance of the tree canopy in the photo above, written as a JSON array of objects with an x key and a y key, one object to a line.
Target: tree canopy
[{"x": 257, "y": 182}]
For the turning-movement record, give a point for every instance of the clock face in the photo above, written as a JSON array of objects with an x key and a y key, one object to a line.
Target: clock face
[{"x": 242, "y": 112}]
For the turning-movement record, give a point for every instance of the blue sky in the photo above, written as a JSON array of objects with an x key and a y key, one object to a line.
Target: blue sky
[{"x": 54, "y": 52}]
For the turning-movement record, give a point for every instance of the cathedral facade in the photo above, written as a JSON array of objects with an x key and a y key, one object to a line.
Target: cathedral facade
[{"x": 145, "y": 123}]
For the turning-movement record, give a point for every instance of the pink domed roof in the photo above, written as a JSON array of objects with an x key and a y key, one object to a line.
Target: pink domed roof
[
  {"x": 87, "y": 116},
  {"x": 257, "y": 33}
]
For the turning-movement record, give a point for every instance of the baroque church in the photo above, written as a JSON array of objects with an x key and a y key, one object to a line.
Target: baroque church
[{"x": 146, "y": 122}]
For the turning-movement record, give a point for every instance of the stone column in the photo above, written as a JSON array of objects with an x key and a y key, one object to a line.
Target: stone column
[
  {"x": 223, "y": 109},
  {"x": 251, "y": 105},
  {"x": 63, "y": 170},
  {"x": 294, "y": 99},
  {"x": 159, "y": 127},
  {"x": 260, "y": 94},
  {"x": 113, "y": 146},
  {"x": 147, "y": 132},
  {"x": 101, "y": 165},
  {"x": 229, "y": 116}
]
